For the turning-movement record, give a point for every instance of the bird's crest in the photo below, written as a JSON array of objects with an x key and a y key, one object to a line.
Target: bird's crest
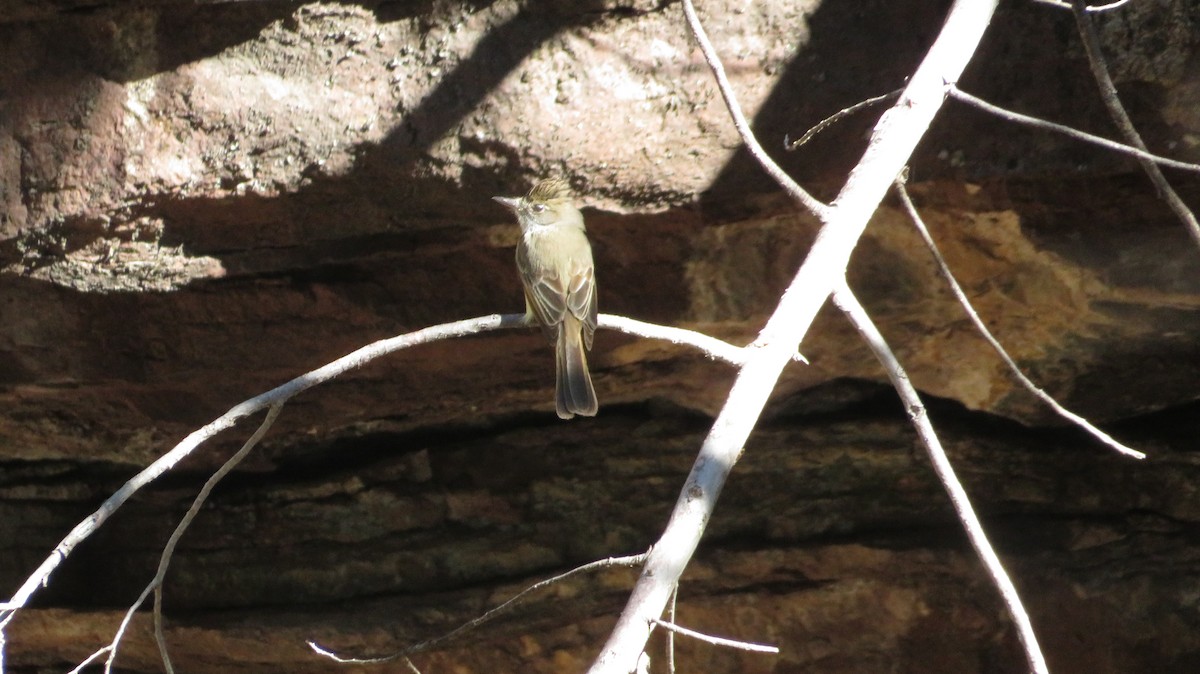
[{"x": 551, "y": 189}]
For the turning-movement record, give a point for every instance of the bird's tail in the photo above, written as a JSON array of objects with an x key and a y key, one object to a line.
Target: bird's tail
[{"x": 573, "y": 388}]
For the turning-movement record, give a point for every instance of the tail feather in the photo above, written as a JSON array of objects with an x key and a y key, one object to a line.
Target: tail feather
[{"x": 573, "y": 389}]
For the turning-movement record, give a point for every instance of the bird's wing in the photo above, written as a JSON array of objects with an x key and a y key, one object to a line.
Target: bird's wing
[
  {"x": 544, "y": 291},
  {"x": 549, "y": 299},
  {"x": 581, "y": 300}
]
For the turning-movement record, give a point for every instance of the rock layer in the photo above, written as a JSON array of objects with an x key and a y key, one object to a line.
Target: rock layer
[{"x": 200, "y": 201}]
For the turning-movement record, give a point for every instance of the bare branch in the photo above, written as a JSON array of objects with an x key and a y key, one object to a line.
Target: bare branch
[
  {"x": 995, "y": 343},
  {"x": 274, "y": 399},
  {"x": 892, "y": 143},
  {"x": 608, "y": 563},
  {"x": 89, "y": 659},
  {"x": 41, "y": 576},
  {"x": 848, "y": 303},
  {"x": 1011, "y": 116},
  {"x": 155, "y": 585},
  {"x": 1108, "y": 93},
  {"x": 166, "y": 462},
  {"x": 792, "y": 145},
  {"x": 716, "y": 641},
  {"x": 169, "y": 549},
  {"x": 670, "y": 634},
  {"x": 1090, "y": 8},
  {"x": 710, "y": 346},
  {"x": 739, "y": 120}
]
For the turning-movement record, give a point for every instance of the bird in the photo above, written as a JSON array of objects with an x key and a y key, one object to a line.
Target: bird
[{"x": 554, "y": 261}]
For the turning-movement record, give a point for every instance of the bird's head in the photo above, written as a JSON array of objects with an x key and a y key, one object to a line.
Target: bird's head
[{"x": 547, "y": 204}]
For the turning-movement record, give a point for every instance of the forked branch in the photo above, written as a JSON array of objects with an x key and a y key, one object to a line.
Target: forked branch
[
  {"x": 275, "y": 398},
  {"x": 892, "y": 143}
]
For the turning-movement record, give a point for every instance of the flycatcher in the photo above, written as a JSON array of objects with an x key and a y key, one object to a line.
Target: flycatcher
[{"x": 554, "y": 260}]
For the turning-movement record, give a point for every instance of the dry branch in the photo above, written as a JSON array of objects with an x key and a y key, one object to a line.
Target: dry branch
[
  {"x": 1036, "y": 122},
  {"x": 792, "y": 145},
  {"x": 1091, "y": 9},
  {"x": 1112, "y": 102},
  {"x": 849, "y": 305},
  {"x": 716, "y": 641},
  {"x": 41, "y": 577},
  {"x": 987, "y": 335},
  {"x": 893, "y": 141},
  {"x": 275, "y": 398},
  {"x": 429, "y": 644}
]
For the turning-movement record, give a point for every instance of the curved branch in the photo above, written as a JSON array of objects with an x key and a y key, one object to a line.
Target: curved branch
[
  {"x": 1091, "y": 9},
  {"x": 793, "y": 145},
  {"x": 987, "y": 335},
  {"x": 739, "y": 119},
  {"x": 41, "y": 576},
  {"x": 607, "y": 563},
  {"x": 164, "y": 560},
  {"x": 155, "y": 584},
  {"x": 848, "y": 303}
]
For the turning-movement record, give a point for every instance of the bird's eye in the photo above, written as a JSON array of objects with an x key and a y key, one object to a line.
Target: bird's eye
[{"x": 538, "y": 208}]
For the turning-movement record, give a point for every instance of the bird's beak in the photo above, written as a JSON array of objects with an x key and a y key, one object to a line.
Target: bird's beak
[{"x": 511, "y": 202}]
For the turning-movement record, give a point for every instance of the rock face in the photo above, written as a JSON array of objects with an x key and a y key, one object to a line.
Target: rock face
[{"x": 199, "y": 202}]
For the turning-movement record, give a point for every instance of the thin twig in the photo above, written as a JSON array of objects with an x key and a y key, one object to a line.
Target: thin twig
[
  {"x": 671, "y": 634},
  {"x": 89, "y": 659},
  {"x": 428, "y": 644},
  {"x": 793, "y": 145},
  {"x": 895, "y": 137},
  {"x": 1112, "y": 101},
  {"x": 1091, "y": 9},
  {"x": 739, "y": 120},
  {"x": 716, "y": 641},
  {"x": 155, "y": 584},
  {"x": 164, "y": 560},
  {"x": 710, "y": 346},
  {"x": 1012, "y": 116},
  {"x": 848, "y": 303},
  {"x": 987, "y": 335}
]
